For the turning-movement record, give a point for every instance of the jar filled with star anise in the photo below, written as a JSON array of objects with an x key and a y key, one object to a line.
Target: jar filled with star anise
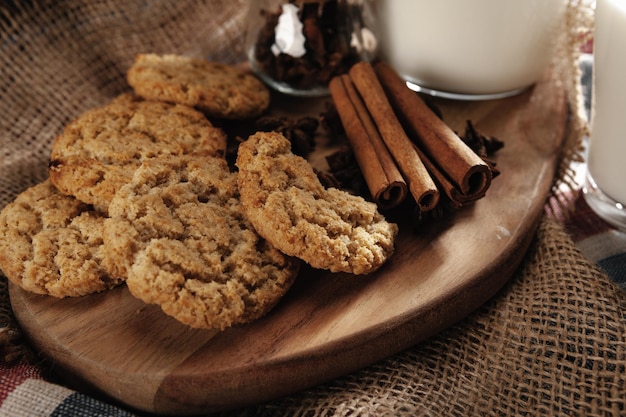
[{"x": 297, "y": 46}]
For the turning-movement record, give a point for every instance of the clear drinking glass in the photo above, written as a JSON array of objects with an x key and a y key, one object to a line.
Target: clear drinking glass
[
  {"x": 469, "y": 49},
  {"x": 605, "y": 184}
]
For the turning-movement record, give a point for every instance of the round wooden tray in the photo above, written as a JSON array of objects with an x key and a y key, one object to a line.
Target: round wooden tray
[{"x": 328, "y": 324}]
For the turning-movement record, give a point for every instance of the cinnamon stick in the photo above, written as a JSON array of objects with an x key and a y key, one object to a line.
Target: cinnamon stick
[
  {"x": 444, "y": 185},
  {"x": 466, "y": 170},
  {"x": 383, "y": 179},
  {"x": 421, "y": 185}
]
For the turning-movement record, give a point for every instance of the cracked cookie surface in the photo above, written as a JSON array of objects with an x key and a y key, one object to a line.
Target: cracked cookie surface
[
  {"x": 51, "y": 243},
  {"x": 219, "y": 90},
  {"x": 285, "y": 201},
  {"x": 98, "y": 152},
  {"x": 179, "y": 234}
]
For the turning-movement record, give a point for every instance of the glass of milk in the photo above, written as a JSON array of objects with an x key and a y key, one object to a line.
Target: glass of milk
[
  {"x": 605, "y": 185},
  {"x": 469, "y": 49}
]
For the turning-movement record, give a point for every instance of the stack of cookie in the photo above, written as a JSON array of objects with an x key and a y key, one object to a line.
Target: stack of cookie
[{"x": 140, "y": 193}]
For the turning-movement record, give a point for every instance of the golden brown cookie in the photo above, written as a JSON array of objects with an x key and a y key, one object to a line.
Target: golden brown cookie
[
  {"x": 219, "y": 90},
  {"x": 98, "y": 152},
  {"x": 51, "y": 243},
  {"x": 179, "y": 234},
  {"x": 285, "y": 201}
]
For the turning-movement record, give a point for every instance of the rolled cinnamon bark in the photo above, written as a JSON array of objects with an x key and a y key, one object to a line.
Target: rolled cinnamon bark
[
  {"x": 466, "y": 170},
  {"x": 420, "y": 184},
  {"x": 444, "y": 185},
  {"x": 383, "y": 178}
]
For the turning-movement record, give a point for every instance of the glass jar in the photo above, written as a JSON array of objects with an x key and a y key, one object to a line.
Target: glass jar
[{"x": 297, "y": 46}]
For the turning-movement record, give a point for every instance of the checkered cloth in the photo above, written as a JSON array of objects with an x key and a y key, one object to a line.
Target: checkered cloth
[
  {"x": 600, "y": 242},
  {"x": 23, "y": 392}
]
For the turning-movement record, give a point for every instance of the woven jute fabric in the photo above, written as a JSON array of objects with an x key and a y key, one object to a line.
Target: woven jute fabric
[{"x": 551, "y": 342}]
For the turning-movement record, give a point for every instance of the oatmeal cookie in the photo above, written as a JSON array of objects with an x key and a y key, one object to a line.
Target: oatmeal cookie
[
  {"x": 51, "y": 243},
  {"x": 178, "y": 233},
  {"x": 219, "y": 90},
  {"x": 97, "y": 153},
  {"x": 285, "y": 201}
]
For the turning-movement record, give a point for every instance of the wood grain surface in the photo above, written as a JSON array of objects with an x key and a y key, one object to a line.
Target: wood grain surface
[{"x": 328, "y": 324}]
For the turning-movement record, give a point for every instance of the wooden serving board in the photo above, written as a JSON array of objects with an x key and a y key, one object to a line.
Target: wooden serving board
[{"x": 328, "y": 324}]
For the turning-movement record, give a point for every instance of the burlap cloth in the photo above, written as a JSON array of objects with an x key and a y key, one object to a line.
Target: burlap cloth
[{"x": 552, "y": 342}]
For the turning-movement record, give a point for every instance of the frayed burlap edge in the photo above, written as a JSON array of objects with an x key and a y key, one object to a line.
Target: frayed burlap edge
[{"x": 577, "y": 31}]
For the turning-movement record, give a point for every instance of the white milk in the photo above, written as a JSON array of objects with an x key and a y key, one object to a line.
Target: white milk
[
  {"x": 607, "y": 152},
  {"x": 469, "y": 46}
]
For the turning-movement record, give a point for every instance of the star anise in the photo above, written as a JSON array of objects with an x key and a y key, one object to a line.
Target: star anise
[
  {"x": 300, "y": 132},
  {"x": 484, "y": 146},
  {"x": 344, "y": 167}
]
